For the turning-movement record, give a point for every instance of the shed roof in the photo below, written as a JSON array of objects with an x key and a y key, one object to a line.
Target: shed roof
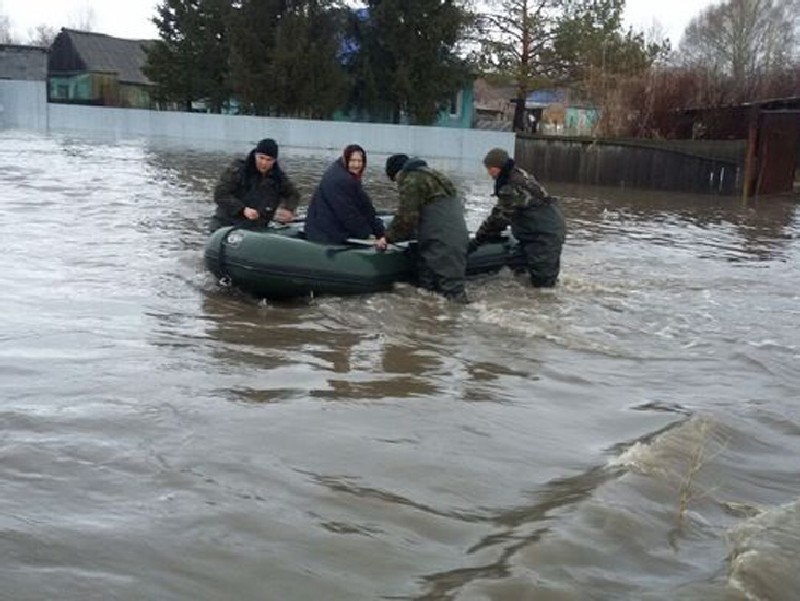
[
  {"x": 544, "y": 98},
  {"x": 75, "y": 50}
]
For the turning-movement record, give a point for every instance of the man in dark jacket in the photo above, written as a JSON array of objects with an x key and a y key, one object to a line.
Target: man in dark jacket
[
  {"x": 253, "y": 191},
  {"x": 534, "y": 217},
  {"x": 340, "y": 208},
  {"x": 429, "y": 206}
]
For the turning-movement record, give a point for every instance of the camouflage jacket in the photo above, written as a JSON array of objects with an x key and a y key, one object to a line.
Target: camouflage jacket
[
  {"x": 418, "y": 186},
  {"x": 516, "y": 190}
]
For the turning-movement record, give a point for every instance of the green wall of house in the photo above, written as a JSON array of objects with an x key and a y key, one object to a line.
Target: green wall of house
[
  {"x": 459, "y": 114},
  {"x": 75, "y": 87},
  {"x": 580, "y": 120},
  {"x": 98, "y": 88}
]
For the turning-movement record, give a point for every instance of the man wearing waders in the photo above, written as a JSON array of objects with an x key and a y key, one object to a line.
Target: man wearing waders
[
  {"x": 535, "y": 219},
  {"x": 430, "y": 207}
]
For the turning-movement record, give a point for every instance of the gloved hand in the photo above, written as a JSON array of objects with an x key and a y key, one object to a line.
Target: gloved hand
[{"x": 472, "y": 246}]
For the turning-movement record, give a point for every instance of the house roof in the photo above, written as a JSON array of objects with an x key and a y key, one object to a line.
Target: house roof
[
  {"x": 22, "y": 48},
  {"x": 486, "y": 93},
  {"x": 75, "y": 50},
  {"x": 544, "y": 98},
  {"x": 767, "y": 104}
]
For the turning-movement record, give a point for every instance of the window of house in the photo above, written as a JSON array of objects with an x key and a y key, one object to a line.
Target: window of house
[
  {"x": 59, "y": 90},
  {"x": 455, "y": 104}
]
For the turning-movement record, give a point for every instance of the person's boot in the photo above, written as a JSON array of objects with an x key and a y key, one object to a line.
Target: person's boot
[
  {"x": 460, "y": 298},
  {"x": 543, "y": 282}
]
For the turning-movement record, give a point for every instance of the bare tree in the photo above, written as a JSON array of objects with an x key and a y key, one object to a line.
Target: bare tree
[
  {"x": 516, "y": 38},
  {"x": 743, "y": 41},
  {"x": 656, "y": 34},
  {"x": 83, "y": 18},
  {"x": 6, "y": 35},
  {"x": 42, "y": 35},
  {"x": 541, "y": 42}
]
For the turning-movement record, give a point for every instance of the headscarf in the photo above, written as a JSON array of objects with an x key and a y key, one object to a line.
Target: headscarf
[{"x": 348, "y": 152}]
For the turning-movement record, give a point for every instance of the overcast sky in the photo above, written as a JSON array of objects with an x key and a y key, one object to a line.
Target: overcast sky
[{"x": 131, "y": 18}]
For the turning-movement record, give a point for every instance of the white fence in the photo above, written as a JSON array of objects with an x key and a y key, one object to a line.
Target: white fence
[
  {"x": 23, "y": 104},
  {"x": 467, "y": 145}
]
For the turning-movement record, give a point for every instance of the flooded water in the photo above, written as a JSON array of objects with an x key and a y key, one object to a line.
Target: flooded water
[{"x": 633, "y": 434}]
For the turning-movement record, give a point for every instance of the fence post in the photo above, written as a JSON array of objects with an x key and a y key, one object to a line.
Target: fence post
[{"x": 750, "y": 157}]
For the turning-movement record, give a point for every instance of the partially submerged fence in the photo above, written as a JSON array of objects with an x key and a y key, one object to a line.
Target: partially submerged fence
[{"x": 710, "y": 169}]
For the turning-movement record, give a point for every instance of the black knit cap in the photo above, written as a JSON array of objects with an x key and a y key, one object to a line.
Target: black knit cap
[
  {"x": 267, "y": 146},
  {"x": 496, "y": 157},
  {"x": 394, "y": 164}
]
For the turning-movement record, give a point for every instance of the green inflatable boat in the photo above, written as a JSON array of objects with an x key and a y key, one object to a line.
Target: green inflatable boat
[{"x": 280, "y": 263}]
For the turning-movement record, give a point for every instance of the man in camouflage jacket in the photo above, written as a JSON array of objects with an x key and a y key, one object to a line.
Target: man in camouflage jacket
[
  {"x": 534, "y": 217},
  {"x": 430, "y": 207}
]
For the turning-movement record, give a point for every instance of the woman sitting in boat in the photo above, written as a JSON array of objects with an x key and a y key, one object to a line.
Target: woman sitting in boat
[
  {"x": 253, "y": 191},
  {"x": 340, "y": 208}
]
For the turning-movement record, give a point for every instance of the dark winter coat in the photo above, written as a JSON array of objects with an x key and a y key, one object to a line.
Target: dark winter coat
[
  {"x": 241, "y": 186},
  {"x": 341, "y": 209}
]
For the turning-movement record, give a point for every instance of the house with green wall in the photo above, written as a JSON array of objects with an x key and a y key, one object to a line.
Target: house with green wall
[{"x": 85, "y": 67}]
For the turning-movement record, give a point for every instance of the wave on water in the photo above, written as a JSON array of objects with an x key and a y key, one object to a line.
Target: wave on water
[
  {"x": 765, "y": 553},
  {"x": 763, "y": 542},
  {"x": 675, "y": 444}
]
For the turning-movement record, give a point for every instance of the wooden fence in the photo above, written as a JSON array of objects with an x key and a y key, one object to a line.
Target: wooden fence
[{"x": 649, "y": 165}]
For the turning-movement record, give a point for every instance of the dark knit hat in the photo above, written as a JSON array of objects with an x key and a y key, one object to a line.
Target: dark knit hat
[
  {"x": 394, "y": 164},
  {"x": 496, "y": 157},
  {"x": 267, "y": 146}
]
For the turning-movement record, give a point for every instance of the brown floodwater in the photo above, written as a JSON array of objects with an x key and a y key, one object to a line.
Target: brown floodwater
[{"x": 633, "y": 434}]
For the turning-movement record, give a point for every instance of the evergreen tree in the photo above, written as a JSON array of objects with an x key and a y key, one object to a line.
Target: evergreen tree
[
  {"x": 284, "y": 57},
  {"x": 406, "y": 60},
  {"x": 252, "y": 30},
  {"x": 369, "y": 97},
  {"x": 190, "y": 61},
  {"x": 590, "y": 37},
  {"x": 308, "y": 78}
]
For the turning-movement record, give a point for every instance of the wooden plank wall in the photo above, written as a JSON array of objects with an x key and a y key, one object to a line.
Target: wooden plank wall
[
  {"x": 778, "y": 151},
  {"x": 627, "y": 164}
]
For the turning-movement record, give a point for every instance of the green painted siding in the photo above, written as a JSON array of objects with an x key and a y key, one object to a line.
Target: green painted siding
[
  {"x": 76, "y": 87},
  {"x": 98, "y": 88},
  {"x": 134, "y": 96},
  {"x": 460, "y": 112},
  {"x": 580, "y": 121}
]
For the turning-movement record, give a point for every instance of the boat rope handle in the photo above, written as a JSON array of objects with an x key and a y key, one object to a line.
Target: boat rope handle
[{"x": 225, "y": 279}]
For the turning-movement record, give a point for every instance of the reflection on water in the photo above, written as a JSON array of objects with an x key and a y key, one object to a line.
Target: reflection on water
[
  {"x": 761, "y": 229},
  {"x": 628, "y": 435}
]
